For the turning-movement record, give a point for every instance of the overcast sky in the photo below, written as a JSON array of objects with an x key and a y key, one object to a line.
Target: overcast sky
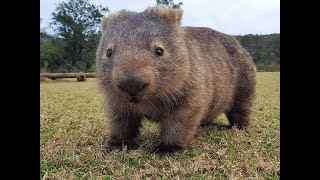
[{"x": 228, "y": 16}]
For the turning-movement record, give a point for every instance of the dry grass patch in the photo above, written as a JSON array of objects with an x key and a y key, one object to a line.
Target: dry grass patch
[{"x": 73, "y": 130}]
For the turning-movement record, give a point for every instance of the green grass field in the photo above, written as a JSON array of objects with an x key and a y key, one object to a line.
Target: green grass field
[{"x": 73, "y": 129}]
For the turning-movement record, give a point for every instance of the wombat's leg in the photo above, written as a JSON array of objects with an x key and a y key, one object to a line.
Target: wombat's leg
[
  {"x": 178, "y": 130},
  {"x": 238, "y": 117},
  {"x": 207, "y": 121},
  {"x": 239, "y": 114},
  {"x": 124, "y": 128}
]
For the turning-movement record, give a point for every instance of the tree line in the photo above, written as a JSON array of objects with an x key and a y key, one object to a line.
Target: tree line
[
  {"x": 76, "y": 26},
  {"x": 264, "y": 50}
]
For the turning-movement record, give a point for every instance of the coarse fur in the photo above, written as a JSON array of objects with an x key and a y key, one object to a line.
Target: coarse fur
[{"x": 200, "y": 74}]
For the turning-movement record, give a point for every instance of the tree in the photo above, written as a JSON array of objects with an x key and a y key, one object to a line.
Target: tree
[
  {"x": 169, "y": 3},
  {"x": 77, "y": 22},
  {"x": 52, "y": 55},
  {"x": 43, "y": 34}
]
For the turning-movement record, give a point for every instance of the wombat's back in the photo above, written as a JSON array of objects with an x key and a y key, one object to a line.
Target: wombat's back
[{"x": 214, "y": 45}]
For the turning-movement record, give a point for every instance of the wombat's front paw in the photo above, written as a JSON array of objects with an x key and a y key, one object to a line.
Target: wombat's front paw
[
  {"x": 238, "y": 126},
  {"x": 111, "y": 145},
  {"x": 114, "y": 143},
  {"x": 164, "y": 149}
]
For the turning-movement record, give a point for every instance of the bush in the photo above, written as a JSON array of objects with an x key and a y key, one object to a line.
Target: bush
[
  {"x": 93, "y": 67},
  {"x": 62, "y": 69},
  {"x": 268, "y": 67}
]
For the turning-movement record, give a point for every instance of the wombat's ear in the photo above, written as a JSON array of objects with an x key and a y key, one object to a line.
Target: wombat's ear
[
  {"x": 106, "y": 21},
  {"x": 170, "y": 15}
]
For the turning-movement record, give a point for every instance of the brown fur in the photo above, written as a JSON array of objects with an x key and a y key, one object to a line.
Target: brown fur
[{"x": 201, "y": 74}]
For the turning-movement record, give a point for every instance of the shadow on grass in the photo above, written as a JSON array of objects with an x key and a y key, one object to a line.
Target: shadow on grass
[{"x": 148, "y": 140}]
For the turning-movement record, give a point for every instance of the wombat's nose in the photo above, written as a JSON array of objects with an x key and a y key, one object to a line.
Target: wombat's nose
[{"x": 132, "y": 82}]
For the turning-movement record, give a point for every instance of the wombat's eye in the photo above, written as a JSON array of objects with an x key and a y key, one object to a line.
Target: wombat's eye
[
  {"x": 159, "y": 51},
  {"x": 109, "y": 53}
]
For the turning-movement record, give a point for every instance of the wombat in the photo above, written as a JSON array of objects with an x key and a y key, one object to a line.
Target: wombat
[{"x": 149, "y": 66}]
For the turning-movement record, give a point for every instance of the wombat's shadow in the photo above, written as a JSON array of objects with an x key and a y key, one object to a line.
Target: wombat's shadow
[{"x": 150, "y": 139}]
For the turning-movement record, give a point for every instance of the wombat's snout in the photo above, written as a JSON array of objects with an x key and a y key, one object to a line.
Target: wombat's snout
[{"x": 132, "y": 82}]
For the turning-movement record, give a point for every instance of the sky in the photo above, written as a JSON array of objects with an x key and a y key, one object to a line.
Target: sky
[{"x": 234, "y": 17}]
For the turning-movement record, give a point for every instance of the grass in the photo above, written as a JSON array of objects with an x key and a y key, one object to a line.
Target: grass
[{"x": 73, "y": 130}]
